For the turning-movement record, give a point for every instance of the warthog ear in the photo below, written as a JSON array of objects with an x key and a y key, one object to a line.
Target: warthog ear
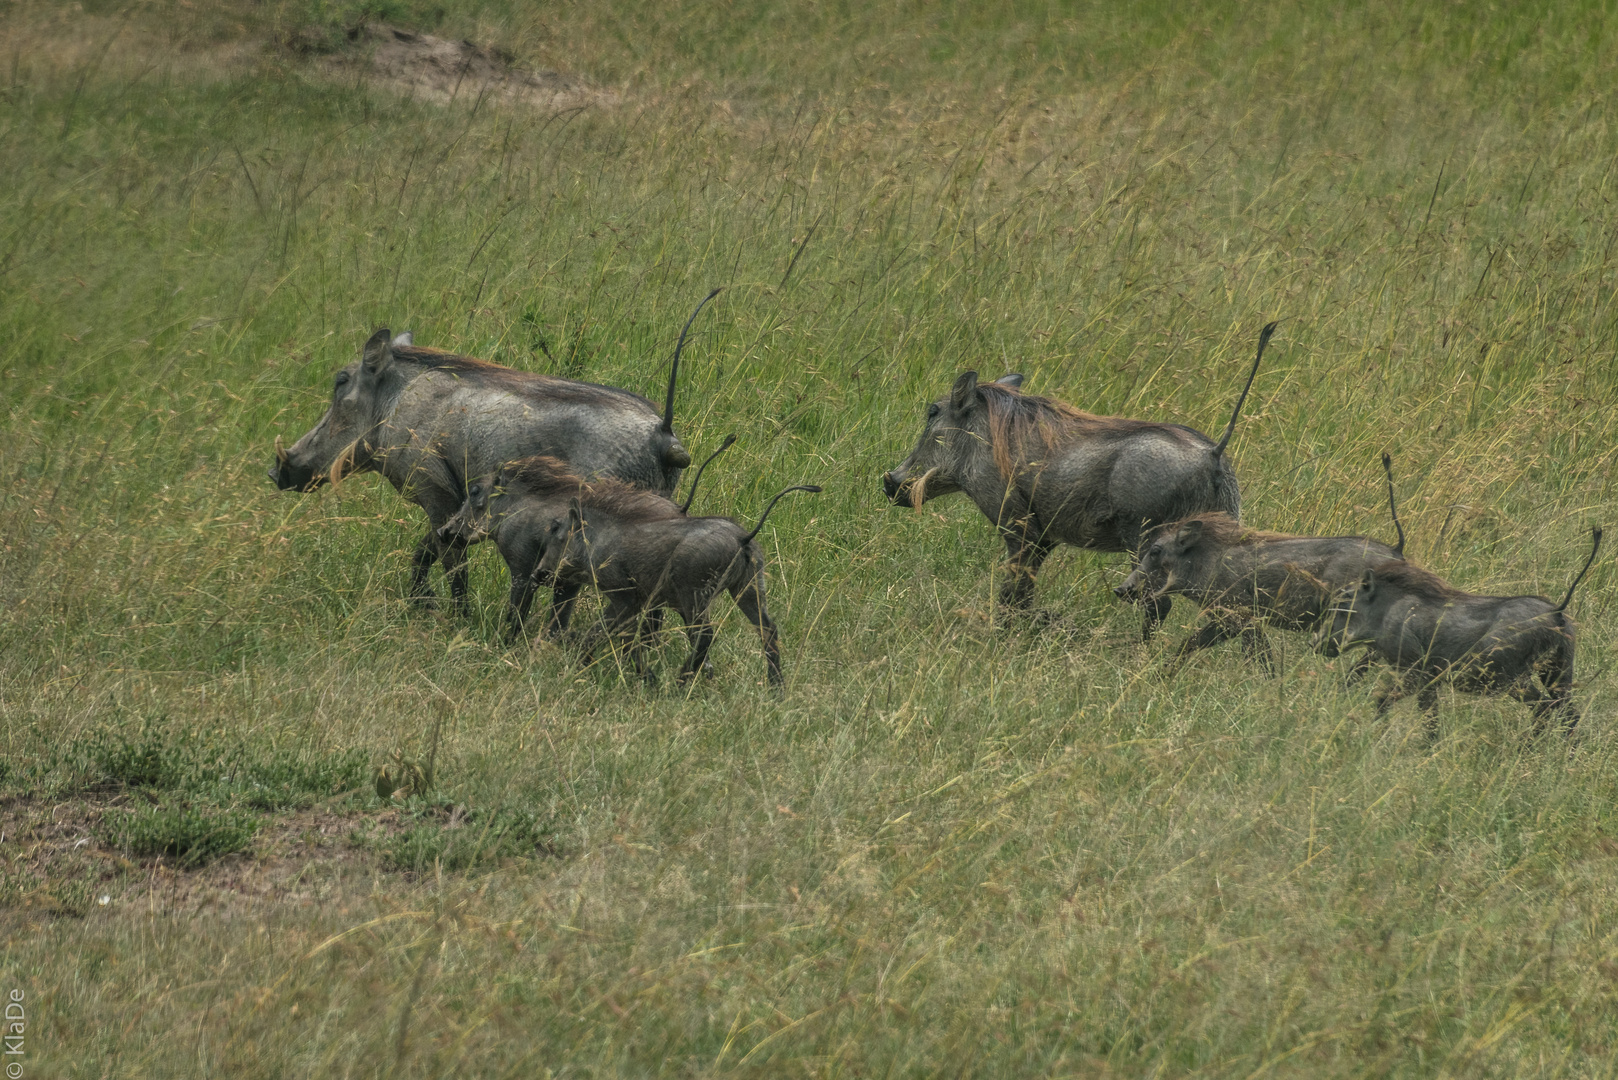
[
  {"x": 1367, "y": 585},
  {"x": 378, "y": 351},
  {"x": 964, "y": 394},
  {"x": 1014, "y": 380},
  {"x": 1187, "y": 537}
]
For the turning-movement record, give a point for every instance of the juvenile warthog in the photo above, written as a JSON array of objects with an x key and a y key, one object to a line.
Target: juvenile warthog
[
  {"x": 1046, "y": 473},
  {"x": 1428, "y": 631},
  {"x": 1243, "y": 578},
  {"x": 640, "y": 562},
  {"x": 516, "y": 504},
  {"x": 430, "y": 420}
]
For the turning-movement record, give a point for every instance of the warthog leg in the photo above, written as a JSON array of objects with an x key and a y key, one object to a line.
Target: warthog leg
[
  {"x": 1156, "y": 609},
  {"x": 1556, "y": 673},
  {"x": 453, "y": 554},
  {"x": 1024, "y": 558},
  {"x": 520, "y": 599},
  {"x": 1216, "y": 629},
  {"x": 750, "y": 598},
  {"x": 456, "y": 569},
  {"x": 1257, "y": 647},
  {"x": 1385, "y": 700},
  {"x": 1427, "y": 701},
  {"x": 421, "y": 593},
  {"x": 700, "y": 631},
  {"x": 564, "y": 595},
  {"x": 1357, "y": 672},
  {"x": 620, "y": 626}
]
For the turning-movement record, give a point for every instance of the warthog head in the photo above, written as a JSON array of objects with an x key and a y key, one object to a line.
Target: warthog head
[
  {"x": 473, "y": 522},
  {"x": 1353, "y": 618},
  {"x": 954, "y": 443},
  {"x": 1155, "y": 572},
  {"x": 563, "y": 543},
  {"x": 361, "y": 396}
]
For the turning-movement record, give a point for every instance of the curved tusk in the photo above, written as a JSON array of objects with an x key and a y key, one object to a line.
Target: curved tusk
[
  {"x": 1164, "y": 591},
  {"x": 918, "y": 490},
  {"x": 280, "y": 451}
]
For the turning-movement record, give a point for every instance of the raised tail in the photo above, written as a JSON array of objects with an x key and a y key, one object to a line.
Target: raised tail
[
  {"x": 813, "y": 489},
  {"x": 1595, "y": 546},
  {"x": 674, "y": 371},
  {"x": 1263, "y": 340},
  {"x": 1393, "y": 508},
  {"x": 697, "y": 479}
]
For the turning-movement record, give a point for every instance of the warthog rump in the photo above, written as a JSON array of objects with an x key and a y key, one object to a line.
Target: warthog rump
[
  {"x": 1045, "y": 473},
  {"x": 431, "y": 420},
  {"x": 1430, "y": 631},
  {"x": 1245, "y": 578}
]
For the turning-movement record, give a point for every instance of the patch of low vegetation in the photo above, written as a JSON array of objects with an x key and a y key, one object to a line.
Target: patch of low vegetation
[
  {"x": 72, "y": 896},
  {"x": 278, "y": 778},
  {"x": 451, "y": 837},
  {"x": 190, "y": 834}
]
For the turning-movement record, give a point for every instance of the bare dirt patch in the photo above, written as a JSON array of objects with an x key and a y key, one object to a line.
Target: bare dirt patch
[
  {"x": 54, "y": 861},
  {"x": 438, "y": 69}
]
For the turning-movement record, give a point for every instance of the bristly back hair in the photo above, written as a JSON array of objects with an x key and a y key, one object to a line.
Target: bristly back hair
[
  {"x": 546, "y": 477},
  {"x": 1414, "y": 579},
  {"x": 513, "y": 379},
  {"x": 1025, "y": 426},
  {"x": 625, "y": 501},
  {"x": 541, "y": 475},
  {"x": 1223, "y": 529}
]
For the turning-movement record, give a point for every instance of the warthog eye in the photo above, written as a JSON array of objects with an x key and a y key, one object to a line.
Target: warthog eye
[
  {"x": 342, "y": 378},
  {"x": 475, "y": 490},
  {"x": 932, "y": 411}
]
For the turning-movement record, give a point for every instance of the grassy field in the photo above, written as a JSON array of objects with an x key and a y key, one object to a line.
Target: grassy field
[{"x": 957, "y": 845}]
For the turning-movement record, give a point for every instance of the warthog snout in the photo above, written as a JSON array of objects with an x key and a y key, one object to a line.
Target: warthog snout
[
  {"x": 894, "y": 489},
  {"x": 287, "y": 475}
]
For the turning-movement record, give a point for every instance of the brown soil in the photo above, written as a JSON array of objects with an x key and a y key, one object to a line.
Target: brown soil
[
  {"x": 436, "y": 69},
  {"x": 53, "y": 862}
]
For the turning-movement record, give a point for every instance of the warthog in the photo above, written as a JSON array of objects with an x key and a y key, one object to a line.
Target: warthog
[
  {"x": 640, "y": 560},
  {"x": 528, "y": 495},
  {"x": 1429, "y": 630},
  {"x": 1046, "y": 473},
  {"x": 430, "y": 420},
  {"x": 1243, "y": 578}
]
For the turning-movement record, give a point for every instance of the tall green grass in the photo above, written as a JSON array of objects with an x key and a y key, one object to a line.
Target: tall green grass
[{"x": 956, "y": 846}]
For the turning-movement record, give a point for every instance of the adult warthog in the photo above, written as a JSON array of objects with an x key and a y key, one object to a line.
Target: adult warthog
[
  {"x": 430, "y": 420},
  {"x": 1046, "y": 473},
  {"x": 1430, "y": 631}
]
